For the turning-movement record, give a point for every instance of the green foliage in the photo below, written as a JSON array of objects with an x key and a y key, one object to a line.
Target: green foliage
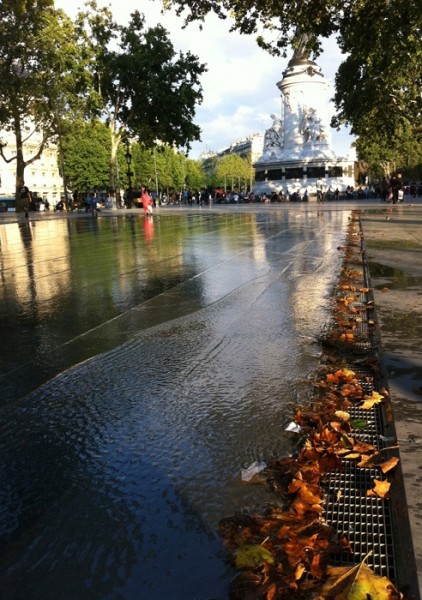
[
  {"x": 42, "y": 71},
  {"x": 233, "y": 172},
  {"x": 195, "y": 176},
  {"x": 139, "y": 80},
  {"x": 87, "y": 154},
  {"x": 378, "y": 85}
]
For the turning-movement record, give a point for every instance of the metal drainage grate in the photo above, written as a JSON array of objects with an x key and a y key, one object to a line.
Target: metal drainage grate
[{"x": 364, "y": 520}]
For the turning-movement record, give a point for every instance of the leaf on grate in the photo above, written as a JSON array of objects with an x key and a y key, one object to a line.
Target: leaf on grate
[
  {"x": 389, "y": 464},
  {"x": 347, "y": 336},
  {"x": 358, "y": 423},
  {"x": 370, "y": 401},
  {"x": 380, "y": 490},
  {"x": 343, "y": 415},
  {"x": 356, "y": 583}
]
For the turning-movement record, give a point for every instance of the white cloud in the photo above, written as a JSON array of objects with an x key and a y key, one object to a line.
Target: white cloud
[{"x": 239, "y": 87}]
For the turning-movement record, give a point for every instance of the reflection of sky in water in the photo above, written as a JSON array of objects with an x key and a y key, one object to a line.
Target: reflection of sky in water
[{"x": 118, "y": 471}]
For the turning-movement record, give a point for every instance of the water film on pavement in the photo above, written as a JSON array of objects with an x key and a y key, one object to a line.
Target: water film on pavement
[{"x": 167, "y": 351}]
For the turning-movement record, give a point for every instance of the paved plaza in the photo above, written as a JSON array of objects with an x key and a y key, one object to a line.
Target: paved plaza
[{"x": 174, "y": 323}]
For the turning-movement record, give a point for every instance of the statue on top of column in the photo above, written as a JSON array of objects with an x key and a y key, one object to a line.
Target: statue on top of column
[{"x": 301, "y": 51}]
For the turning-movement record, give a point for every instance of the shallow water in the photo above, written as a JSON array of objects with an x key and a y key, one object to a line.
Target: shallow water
[{"x": 114, "y": 475}]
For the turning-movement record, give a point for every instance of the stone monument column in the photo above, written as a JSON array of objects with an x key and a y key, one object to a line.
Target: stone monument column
[
  {"x": 305, "y": 93},
  {"x": 297, "y": 156}
]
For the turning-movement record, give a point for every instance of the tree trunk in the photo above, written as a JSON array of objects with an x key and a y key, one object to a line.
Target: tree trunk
[
  {"x": 22, "y": 204},
  {"x": 115, "y": 143}
]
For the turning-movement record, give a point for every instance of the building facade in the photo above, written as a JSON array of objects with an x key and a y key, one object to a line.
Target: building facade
[{"x": 42, "y": 176}]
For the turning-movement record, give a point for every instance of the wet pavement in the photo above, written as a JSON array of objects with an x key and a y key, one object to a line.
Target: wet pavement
[
  {"x": 178, "y": 345},
  {"x": 175, "y": 347}
]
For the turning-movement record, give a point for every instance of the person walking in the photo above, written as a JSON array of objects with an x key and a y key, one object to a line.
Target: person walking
[
  {"x": 146, "y": 201},
  {"x": 396, "y": 185},
  {"x": 319, "y": 192},
  {"x": 25, "y": 199}
]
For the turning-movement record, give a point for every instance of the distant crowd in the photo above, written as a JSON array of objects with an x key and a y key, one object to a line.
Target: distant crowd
[{"x": 392, "y": 191}]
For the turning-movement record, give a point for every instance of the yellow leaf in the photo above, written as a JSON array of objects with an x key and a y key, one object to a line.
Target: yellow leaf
[
  {"x": 380, "y": 489},
  {"x": 356, "y": 583},
  {"x": 341, "y": 414},
  {"x": 389, "y": 464},
  {"x": 370, "y": 401}
]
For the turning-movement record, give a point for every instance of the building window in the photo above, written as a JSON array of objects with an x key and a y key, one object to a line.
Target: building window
[
  {"x": 335, "y": 171},
  {"x": 259, "y": 175},
  {"x": 275, "y": 174},
  {"x": 316, "y": 172},
  {"x": 294, "y": 173}
]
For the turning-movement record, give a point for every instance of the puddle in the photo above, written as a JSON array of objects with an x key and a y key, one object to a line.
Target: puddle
[
  {"x": 407, "y": 324},
  {"x": 399, "y": 279},
  {"x": 392, "y": 244}
]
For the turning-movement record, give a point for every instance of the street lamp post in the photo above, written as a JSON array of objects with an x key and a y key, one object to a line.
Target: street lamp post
[
  {"x": 156, "y": 177},
  {"x": 129, "y": 173}
]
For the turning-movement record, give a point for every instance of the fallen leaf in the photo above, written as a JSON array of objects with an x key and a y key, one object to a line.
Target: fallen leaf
[
  {"x": 341, "y": 414},
  {"x": 248, "y": 556},
  {"x": 272, "y": 592},
  {"x": 347, "y": 336},
  {"x": 370, "y": 401},
  {"x": 357, "y": 583},
  {"x": 380, "y": 489},
  {"x": 389, "y": 464}
]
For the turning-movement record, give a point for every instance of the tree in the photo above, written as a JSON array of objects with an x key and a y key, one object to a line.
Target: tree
[
  {"x": 232, "y": 171},
  {"x": 378, "y": 85},
  {"x": 195, "y": 176},
  {"x": 39, "y": 69},
  {"x": 86, "y": 149},
  {"x": 141, "y": 81}
]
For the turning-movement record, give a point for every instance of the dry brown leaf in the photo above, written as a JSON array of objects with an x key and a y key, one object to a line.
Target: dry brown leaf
[{"x": 380, "y": 489}]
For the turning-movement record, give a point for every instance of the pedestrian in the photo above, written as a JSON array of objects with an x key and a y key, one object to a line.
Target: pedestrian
[
  {"x": 396, "y": 184},
  {"x": 319, "y": 192},
  {"x": 26, "y": 199},
  {"x": 146, "y": 201}
]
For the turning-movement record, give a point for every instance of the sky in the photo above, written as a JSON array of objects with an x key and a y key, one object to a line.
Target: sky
[{"x": 239, "y": 87}]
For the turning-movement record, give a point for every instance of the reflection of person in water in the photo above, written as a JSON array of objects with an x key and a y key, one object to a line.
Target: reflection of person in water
[{"x": 149, "y": 229}]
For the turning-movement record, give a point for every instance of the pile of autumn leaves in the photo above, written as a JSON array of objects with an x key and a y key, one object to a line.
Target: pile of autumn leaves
[{"x": 285, "y": 553}]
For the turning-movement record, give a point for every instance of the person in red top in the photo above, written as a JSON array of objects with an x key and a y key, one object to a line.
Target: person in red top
[{"x": 146, "y": 201}]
